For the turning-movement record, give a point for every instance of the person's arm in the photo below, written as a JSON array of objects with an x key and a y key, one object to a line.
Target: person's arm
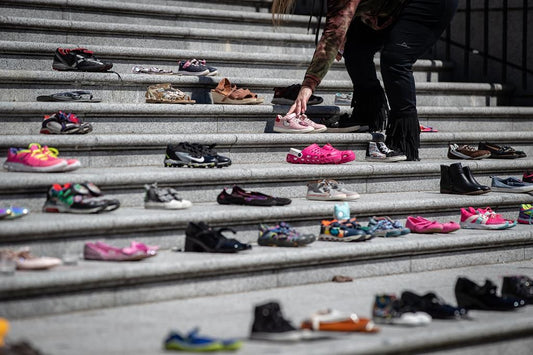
[{"x": 339, "y": 16}]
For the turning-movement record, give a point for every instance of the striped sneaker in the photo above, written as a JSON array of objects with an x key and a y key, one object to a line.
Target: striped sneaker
[{"x": 472, "y": 219}]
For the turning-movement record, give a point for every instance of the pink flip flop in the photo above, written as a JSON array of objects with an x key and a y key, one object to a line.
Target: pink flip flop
[{"x": 422, "y": 225}]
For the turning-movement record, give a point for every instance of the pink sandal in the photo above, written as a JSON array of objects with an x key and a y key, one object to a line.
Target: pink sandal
[
  {"x": 347, "y": 155},
  {"x": 313, "y": 154}
]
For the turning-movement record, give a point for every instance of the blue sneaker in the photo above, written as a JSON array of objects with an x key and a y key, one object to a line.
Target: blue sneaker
[
  {"x": 283, "y": 235},
  {"x": 384, "y": 228},
  {"x": 510, "y": 184},
  {"x": 343, "y": 231},
  {"x": 395, "y": 223},
  {"x": 193, "y": 342}
]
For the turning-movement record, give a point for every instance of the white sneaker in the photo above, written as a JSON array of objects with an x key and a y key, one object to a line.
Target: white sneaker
[{"x": 378, "y": 151}]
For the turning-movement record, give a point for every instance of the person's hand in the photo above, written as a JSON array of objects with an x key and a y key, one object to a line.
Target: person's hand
[{"x": 300, "y": 104}]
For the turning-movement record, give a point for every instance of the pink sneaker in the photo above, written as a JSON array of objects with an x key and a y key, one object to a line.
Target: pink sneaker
[
  {"x": 33, "y": 160},
  {"x": 347, "y": 155},
  {"x": 318, "y": 128},
  {"x": 291, "y": 124},
  {"x": 313, "y": 154},
  {"x": 472, "y": 219},
  {"x": 422, "y": 225},
  {"x": 489, "y": 212},
  {"x": 72, "y": 164}
]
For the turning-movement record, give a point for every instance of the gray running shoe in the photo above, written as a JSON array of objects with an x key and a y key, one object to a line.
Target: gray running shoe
[{"x": 510, "y": 184}]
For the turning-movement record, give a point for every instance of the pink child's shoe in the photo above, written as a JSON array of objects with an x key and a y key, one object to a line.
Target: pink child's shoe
[
  {"x": 422, "y": 225},
  {"x": 449, "y": 227},
  {"x": 318, "y": 128},
  {"x": 102, "y": 251},
  {"x": 33, "y": 160},
  {"x": 313, "y": 154},
  {"x": 347, "y": 155},
  {"x": 291, "y": 124}
]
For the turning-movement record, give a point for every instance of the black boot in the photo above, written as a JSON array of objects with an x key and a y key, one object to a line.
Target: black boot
[
  {"x": 269, "y": 324},
  {"x": 454, "y": 181},
  {"x": 472, "y": 180},
  {"x": 403, "y": 134}
]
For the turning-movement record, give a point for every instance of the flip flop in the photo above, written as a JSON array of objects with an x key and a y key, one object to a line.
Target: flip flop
[{"x": 77, "y": 96}]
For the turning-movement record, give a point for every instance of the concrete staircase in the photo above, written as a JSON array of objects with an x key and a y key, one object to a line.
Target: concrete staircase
[{"x": 126, "y": 150}]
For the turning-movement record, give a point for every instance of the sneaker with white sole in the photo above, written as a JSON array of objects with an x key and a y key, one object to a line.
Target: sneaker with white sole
[
  {"x": 378, "y": 151},
  {"x": 390, "y": 310},
  {"x": 164, "y": 198},
  {"x": 317, "y": 127},
  {"x": 472, "y": 219},
  {"x": 291, "y": 124},
  {"x": 322, "y": 191},
  {"x": 465, "y": 151}
]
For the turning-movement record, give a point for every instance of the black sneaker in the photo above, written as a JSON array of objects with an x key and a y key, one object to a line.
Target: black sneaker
[
  {"x": 222, "y": 161},
  {"x": 501, "y": 152},
  {"x": 78, "y": 59},
  {"x": 192, "y": 67},
  {"x": 269, "y": 324},
  {"x": 287, "y": 96},
  {"x": 189, "y": 155},
  {"x": 377, "y": 150},
  {"x": 204, "y": 239},
  {"x": 344, "y": 124}
]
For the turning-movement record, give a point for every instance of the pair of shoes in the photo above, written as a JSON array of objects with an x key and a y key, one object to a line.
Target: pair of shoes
[
  {"x": 13, "y": 212},
  {"x": 471, "y": 296},
  {"x": 314, "y": 154},
  {"x": 194, "y": 155},
  {"x": 166, "y": 94},
  {"x": 195, "y": 343},
  {"x": 62, "y": 123},
  {"x": 421, "y": 225},
  {"x": 483, "y": 219},
  {"x": 386, "y": 227},
  {"x": 196, "y": 68},
  {"x": 78, "y": 59},
  {"x": 329, "y": 190},
  {"x": 199, "y": 237},
  {"x": 38, "y": 159},
  {"x": 333, "y": 320},
  {"x": 501, "y": 152},
  {"x": 69, "y": 96},
  {"x": 164, "y": 198},
  {"x": 287, "y": 96},
  {"x": 456, "y": 179},
  {"x": 528, "y": 177},
  {"x": 388, "y": 309},
  {"x": 343, "y": 231},
  {"x": 433, "y": 305},
  {"x": 24, "y": 260},
  {"x": 283, "y": 235},
  {"x": 525, "y": 216},
  {"x": 427, "y": 129},
  {"x": 465, "y": 151},
  {"x": 510, "y": 184},
  {"x": 294, "y": 123},
  {"x": 520, "y": 287},
  {"x": 78, "y": 198},
  {"x": 102, "y": 251},
  {"x": 344, "y": 124},
  {"x": 228, "y": 94},
  {"x": 377, "y": 150},
  {"x": 238, "y": 196},
  {"x": 343, "y": 99},
  {"x": 269, "y": 324}
]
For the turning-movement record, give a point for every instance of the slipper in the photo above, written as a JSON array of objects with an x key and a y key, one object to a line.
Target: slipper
[
  {"x": 78, "y": 96},
  {"x": 336, "y": 321}
]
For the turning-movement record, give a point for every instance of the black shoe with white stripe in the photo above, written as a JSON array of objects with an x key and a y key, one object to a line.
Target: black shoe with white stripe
[
  {"x": 185, "y": 154},
  {"x": 78, "y": 59}
]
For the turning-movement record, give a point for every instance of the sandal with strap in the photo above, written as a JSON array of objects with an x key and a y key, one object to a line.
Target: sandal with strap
[
  {"x": 166, "y": 94},
  {"x": 77, "y": 96},
  {"x": 225, "y": 93}
]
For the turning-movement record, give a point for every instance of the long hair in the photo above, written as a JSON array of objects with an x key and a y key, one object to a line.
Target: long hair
[{"x": 280, "y": 8}]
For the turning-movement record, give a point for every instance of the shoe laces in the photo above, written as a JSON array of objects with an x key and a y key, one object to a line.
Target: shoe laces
[
  {"x": 467, "y": 148},
  {"x": 383, "y": 148}
]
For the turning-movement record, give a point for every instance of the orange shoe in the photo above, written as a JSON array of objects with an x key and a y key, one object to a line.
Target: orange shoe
[
  {"x": 4, "y": 329},
  {"x": 335, "y": 321}
]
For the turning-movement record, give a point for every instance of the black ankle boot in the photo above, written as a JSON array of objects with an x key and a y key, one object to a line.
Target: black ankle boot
[
  {"x": 472, "y": 180},
  {"x": 454, "y": 181},
  {"x": 269, "y": 324}
]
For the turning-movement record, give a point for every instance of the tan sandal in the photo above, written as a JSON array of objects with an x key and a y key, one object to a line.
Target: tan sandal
[
  {"x": 225, "y": 93},
  {"x": 166, "y": 94}
]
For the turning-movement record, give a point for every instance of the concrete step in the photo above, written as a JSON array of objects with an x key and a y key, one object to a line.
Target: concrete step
[
  {"x": 21, "y": 85},
  {"x": 21, "y": 118},
  {"x": 94, "y": 285},
  {"x": 235, "y": 5},
  {"x": 53, "y": 234},
  {"x": 109, "y": 331},
  {"x": 172, "y": 14},
  {"x": 98, "y": 33},
  {"x": 141, "y": 150},
  {"x": 39, "y": 56}
]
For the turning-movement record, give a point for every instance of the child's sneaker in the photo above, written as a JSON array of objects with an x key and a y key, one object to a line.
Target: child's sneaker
[
  {"x": 340, "y": 232},
  {"x": 390, "y": 310},
  {"x": 472, "y": 219},
  {"x": 337, "y": 186},
  {"x": 383, "y": 228},
  {"x": 192, "y": 67},
  {"x": 528, "y": 177},
  {"x": 526, "y": 214},
  {"x": 489, "y": 212},
  {"x": 377, "y": 150},
  {"x": 33, "y": 159},
  {"x": 394, "y": 223},
  {"x": 317, "y": 127},
  {"x": 283, "y": 235},
  {"x": 322, "y": 191},
  {"x": 166, "y": 199},
  {"x": 291, "y": 124},
  {"x": 78, "y": 59}
]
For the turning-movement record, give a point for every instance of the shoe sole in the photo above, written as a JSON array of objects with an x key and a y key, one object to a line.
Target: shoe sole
[
  {"x": 518, "y": 190},
  {"x": 484, "y": 226},
  {"x": 353, "y": 238},
  {"x": 325, "y": 198},
  {"x": 179, "y": 164},
  {"x": 387, "y": 160},
  {"x": 163, "y": 206},
  {"x": 357, "y": 128},
  {"x": 459, "y": 155},
  {"x": 10, "y": 166},
  {"x": 288, "y": 130},
  {"x": 64, "y": 209},
  {"x": 200, "y": 73}
]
